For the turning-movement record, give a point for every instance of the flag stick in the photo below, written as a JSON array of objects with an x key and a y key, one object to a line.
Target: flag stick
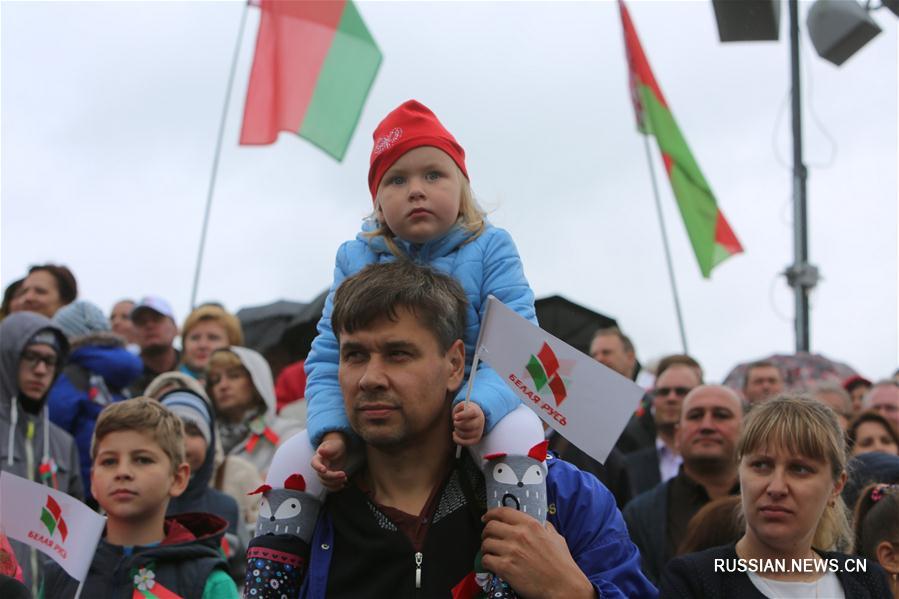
[
  {"x": 655, "y": 191},
  {"x": 218, "y": 153},
  {"x": 78, "y": 591},
  {"x": 474, "y": 371}
]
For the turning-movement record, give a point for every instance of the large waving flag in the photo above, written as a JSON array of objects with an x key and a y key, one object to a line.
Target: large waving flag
[
  {"x": 314, "y": 64},
  {"x": 50, "y": 521},
  {"x": 711, "y": 236},
  {"x": 586, "y": 402}
]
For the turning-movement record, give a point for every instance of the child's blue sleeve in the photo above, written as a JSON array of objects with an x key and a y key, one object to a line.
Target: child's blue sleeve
[
  {"x": 503, "y": 278},
  {"x": 324, "y": 400}
]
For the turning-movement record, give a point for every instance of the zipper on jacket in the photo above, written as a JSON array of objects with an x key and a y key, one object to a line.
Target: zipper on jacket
[{"x": 418, "y": 559}]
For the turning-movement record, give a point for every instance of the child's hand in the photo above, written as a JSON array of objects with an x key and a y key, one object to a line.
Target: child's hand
[
  {"x": 468, "y": 423},
  {"x": 329, "y": 461}
]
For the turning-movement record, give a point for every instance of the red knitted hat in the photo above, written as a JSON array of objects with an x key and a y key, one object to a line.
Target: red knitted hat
[{"x": 411, "y": 125}]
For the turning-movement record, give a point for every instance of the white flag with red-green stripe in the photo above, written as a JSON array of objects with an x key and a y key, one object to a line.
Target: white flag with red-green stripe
[
  {"x": 51, "y": 521},
  {"x": 586, "y": 402}
]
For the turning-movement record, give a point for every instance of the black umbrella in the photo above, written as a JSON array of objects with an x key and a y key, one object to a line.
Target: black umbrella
[
  {"x": 301, "y": 330},
  {"x": 572, "y": 323},
  {"x": 282, "y": 331}
]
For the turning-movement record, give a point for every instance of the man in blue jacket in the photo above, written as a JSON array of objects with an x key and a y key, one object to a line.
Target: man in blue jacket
[{"x": 413, "y": 518}]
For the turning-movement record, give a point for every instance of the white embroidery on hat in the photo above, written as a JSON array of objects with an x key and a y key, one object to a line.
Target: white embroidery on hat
[{"x": 385, "y": 141}]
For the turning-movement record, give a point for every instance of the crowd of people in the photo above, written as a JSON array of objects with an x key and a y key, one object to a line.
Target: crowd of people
[{"x": 217, "y": 479}]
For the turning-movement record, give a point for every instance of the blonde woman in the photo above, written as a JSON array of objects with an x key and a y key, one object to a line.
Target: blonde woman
[
  {"x": 243, "y": 394},
  {"x": 207, "y": 328},
  {"x": 792, "y": 467}
]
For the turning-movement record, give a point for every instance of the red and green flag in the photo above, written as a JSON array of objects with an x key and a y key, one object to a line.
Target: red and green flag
[
  {"x": 315, "y": 62},
  {"x": 51, "y": 516},
  {"x": 544, "y": 370},
  {"x": 711, "y": 236}
]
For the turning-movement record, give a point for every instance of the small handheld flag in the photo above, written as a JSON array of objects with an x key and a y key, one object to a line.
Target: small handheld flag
[
  {"x": 50, "y": 521},
  {"x": 586, "y": 402}
]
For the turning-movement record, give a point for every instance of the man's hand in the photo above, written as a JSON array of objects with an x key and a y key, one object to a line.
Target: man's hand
[
  {"x": 468, "y": 423},
  {"x": 329, "y": 461},
  {"x": 533, "y": 558}
]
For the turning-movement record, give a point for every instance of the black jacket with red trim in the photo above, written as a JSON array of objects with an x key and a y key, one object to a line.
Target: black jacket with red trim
[{"x": 181, "y": 563}]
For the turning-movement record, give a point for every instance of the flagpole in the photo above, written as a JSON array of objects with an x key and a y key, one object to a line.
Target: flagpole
[
  {"x": 78, "y": 591},
  {"x": 474, "y": 371},
  {"x": 218, "y": 153},
  {"x": 655, "y": 191}
]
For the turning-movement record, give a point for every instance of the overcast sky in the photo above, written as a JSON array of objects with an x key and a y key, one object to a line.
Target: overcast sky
[{"x": 110, "y": 113}]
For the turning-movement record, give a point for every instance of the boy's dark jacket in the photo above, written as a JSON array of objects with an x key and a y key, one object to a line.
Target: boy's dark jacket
[{"x": 181, "y": 563}]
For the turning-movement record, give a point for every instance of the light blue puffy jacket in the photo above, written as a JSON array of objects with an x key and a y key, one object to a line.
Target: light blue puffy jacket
[{"x": 486, "y": 265}]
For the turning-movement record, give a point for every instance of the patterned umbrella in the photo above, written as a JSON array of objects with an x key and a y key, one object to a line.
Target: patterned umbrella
[{"x": 801, "y": 371}]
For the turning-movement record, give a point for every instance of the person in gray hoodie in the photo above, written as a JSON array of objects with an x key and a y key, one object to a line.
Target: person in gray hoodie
[
  {"x": 240, "y": 383},
  {"x": 32, "y": 353}
]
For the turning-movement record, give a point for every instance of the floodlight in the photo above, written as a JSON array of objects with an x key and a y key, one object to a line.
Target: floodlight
[
  {"x": 747, "y": 20},
  {"x": 839, "y": 28},
  {"x": 892, "y": 5}
]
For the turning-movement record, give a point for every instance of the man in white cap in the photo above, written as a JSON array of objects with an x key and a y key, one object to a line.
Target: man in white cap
[{"x": 154, "y": 324}]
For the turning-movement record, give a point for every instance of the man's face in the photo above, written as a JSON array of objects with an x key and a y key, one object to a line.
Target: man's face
[
  {"x": 153, "y": 329},
  {"x": 669, "y": 392},
  {"x": 609, "y": 351},
  {"x": 397, "y": 383},
  {"x": 762, "y": 383},
  {"x": 710, "y": 425},
  {"x": 885, "y": 399},
  {"x": 37, "y": 368}
]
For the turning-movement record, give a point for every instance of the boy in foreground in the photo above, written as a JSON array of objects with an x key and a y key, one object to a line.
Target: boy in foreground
[{"x": 138, "y": 464}]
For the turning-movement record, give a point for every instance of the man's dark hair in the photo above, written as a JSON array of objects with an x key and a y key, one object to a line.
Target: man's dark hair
[
  {"x": 679, "y": 360},
  {"x": 760, "y": 364},
  {"x": 65, "y": 280},
  {"x": 615, "y": 332},
  {"x": 378, "y": 290}
]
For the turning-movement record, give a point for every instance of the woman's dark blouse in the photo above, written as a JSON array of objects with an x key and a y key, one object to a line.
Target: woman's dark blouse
[{"x": 694, "y": 575}]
